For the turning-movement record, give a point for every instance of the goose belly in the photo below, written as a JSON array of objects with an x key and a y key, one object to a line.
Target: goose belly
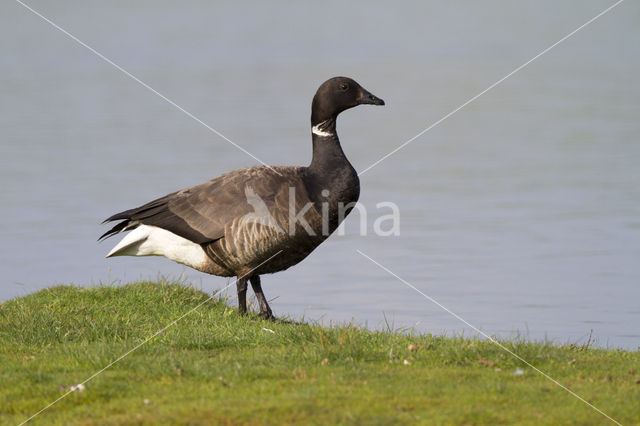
[{"x": 258, "y": 248}]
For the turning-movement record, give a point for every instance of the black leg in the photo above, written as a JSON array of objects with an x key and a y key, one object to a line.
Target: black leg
[
  {"x": 241, "y": 283},
  {"x": 265, "y": 310}
]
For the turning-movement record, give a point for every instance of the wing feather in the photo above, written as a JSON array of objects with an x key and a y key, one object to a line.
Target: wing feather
[{"x": 200, "y": 213}]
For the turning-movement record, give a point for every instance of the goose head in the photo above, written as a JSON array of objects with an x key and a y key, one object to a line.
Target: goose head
[{"x": 336, "y": 95}]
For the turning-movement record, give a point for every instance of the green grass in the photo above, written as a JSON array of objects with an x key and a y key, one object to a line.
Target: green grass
[{"x": 217, "y": 368}]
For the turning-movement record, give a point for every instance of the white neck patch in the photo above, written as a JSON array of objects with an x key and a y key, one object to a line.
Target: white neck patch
[{"x": 318, "y": 131}]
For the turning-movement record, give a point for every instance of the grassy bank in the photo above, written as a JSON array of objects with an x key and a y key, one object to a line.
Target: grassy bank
[{"x": 214, "y": 367}]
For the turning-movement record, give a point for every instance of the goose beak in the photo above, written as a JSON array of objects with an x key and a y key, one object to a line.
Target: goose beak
[{"x": 367, "y": 98}]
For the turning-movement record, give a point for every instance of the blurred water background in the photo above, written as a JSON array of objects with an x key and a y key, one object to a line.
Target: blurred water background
[{"x": 521, "y": 213}]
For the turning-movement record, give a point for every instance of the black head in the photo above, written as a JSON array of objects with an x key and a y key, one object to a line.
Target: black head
[{"x": 336, "y": 95}]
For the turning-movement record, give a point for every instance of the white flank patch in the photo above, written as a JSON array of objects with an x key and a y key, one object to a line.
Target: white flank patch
[
  {"x": 316, "y": 130},
  {"x": 148, "y": 240}
]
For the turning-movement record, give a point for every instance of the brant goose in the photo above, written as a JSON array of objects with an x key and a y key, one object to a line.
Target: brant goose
[{"x": 256, "y": 220}]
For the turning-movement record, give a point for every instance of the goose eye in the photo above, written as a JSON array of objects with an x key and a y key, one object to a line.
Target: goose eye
[{"x": 344, "y": 86}]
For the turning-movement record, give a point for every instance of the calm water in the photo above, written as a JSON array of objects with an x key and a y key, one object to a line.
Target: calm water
[{"x": 521, "y": 213}]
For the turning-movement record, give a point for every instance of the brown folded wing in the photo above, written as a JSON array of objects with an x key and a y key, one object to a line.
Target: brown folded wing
[{"x": 201, "y": 212}]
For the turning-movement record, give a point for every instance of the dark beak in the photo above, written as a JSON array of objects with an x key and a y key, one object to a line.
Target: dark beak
[{"x": 367, "y": 98}]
